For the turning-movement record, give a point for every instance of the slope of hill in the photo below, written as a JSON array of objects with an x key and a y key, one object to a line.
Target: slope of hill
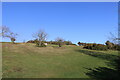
[{"x": 27, "y": 61}]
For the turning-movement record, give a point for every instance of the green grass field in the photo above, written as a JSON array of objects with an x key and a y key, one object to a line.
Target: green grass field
[{"x": 27, "y": 61}]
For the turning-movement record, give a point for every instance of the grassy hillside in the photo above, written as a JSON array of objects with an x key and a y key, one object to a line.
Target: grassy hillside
[{"x": 27, "y": 61}]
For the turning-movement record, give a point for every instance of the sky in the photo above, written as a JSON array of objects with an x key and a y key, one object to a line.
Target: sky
[
  {"x": 60, "y": 0},
  {"x": 75, "y": 21}
]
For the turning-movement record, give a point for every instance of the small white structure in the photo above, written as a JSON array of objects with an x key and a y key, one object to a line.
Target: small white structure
[{"x": 45, "y": 44}]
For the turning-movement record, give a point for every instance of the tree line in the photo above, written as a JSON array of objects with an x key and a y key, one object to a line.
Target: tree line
[
  {"x": 40, "y": 38},
  {"x": 93, "y": 46}
]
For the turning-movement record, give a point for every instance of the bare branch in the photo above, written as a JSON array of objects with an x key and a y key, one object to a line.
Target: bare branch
[
  {"x": 41, "y": 35},
  {"x": 7, "y": 33},
  {"x": 4, "y": 31},
  {"x": 60, "y": 41}
]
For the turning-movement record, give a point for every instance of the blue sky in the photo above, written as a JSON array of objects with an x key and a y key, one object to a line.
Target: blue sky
[{"x": 82, "y": 21}]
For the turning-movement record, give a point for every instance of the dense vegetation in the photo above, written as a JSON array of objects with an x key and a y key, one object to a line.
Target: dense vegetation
[
  {"x": 51, "y": 42},
  {"x": 93, "y": 46}
]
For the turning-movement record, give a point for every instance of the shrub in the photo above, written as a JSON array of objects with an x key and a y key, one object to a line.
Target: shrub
[
  {"x": 81, "y": 44},
  {"x": 116, "y": 47},
  {"x": 74, "y": 44},
  {"x": 112, "y": 46},
  {"x": 30, "y": 41},
  {"x": 59, "y": 41},
  {"x": 67, "y": 42},
  {"x": 37, "y": 43},
  {"x": 54, "y": 42},
  {"x": 99, "y": 48},
  {"x": 96, "y": 47},
  {"x": 42, "y": 43},
  {"x": 109, "y": 45}
]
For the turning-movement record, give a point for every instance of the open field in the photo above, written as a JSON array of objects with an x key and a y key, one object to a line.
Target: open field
[{"x": 27, "y": 61}]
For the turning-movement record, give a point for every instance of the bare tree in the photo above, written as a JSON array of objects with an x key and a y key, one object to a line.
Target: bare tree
[
  {"x": 60, "y": 41},
  {"x": 4, "y": 31},
  {"x": 7, "y": 33},
  {"x": 12, "y": 36},
  {"x": 114, "y": 38},
  {"x": 41, "y": 35}
]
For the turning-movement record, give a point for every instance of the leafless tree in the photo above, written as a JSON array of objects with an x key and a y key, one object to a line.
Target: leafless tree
[
  {"x": 4, "y": 31},
  {"x": 41, "y": 35},
  {"x": 12, "y": 36},
  {"x": 7, "y": 33},
  {"x": 60, "y": 41},
  {"x": 115, "y": 38}
]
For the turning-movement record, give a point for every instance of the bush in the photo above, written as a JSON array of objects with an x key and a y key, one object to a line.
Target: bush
[
  {"x": 30, "y": 41},
  {"x": 74, "y": 44},
  {"x": 42, "y": 44},
  {"x": 67, "y": 42},
  {"x": 116, "y": 47},
  {"x": 109, "y": 45},
  {"x": 37, "y": 43},
  {"x": 54, "y": 42},
  {"x": 81, "y": 44},
  {"x": 99, "y": 48},
  {"x": 112, "y": 46},
  {"x": 96, "y": 47}
]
